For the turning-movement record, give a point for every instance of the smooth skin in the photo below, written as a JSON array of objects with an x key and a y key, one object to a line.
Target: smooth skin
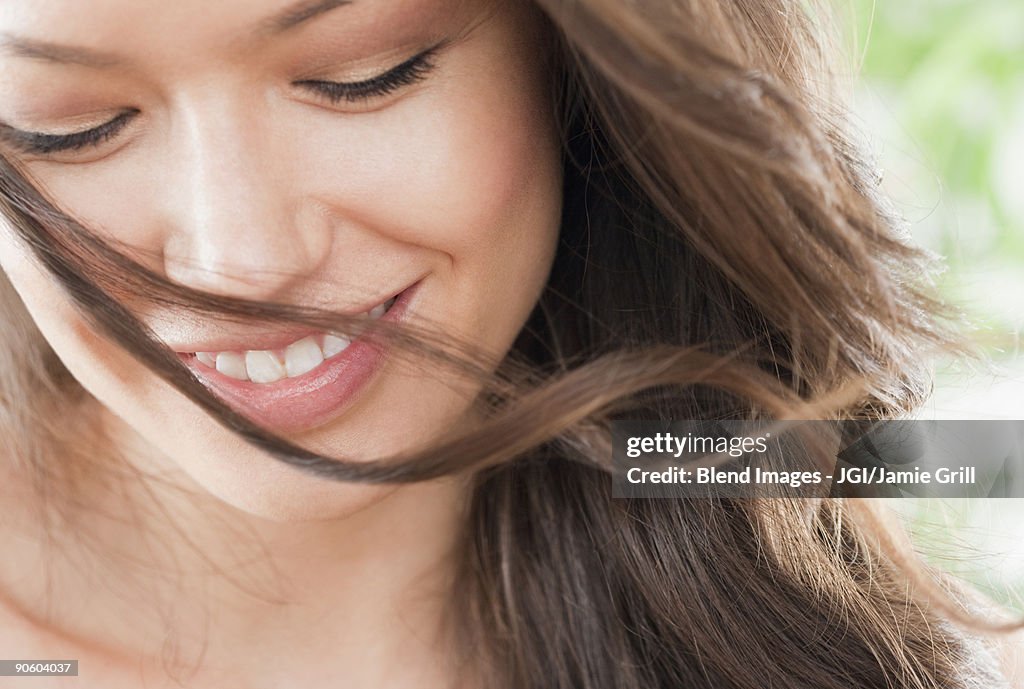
[{"x": 231, "y": 178}]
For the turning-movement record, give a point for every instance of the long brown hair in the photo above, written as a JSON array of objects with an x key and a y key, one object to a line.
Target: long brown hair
[{"x": 723, "y": 253}]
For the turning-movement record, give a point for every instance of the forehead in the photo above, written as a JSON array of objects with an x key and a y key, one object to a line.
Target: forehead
[
  {"x": 148, "y": 26},
  {"x": 84, "y": 17}
]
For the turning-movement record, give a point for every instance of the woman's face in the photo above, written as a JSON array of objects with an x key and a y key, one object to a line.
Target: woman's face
[{"x": 325, "y": 153}]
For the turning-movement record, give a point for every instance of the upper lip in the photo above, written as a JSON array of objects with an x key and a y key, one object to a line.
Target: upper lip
[
  {"x": 267, "y": 338},
  {"x": 264, "y": 339}
]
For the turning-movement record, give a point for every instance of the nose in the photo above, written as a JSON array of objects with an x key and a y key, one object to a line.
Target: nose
[{"x": 237, "y": 223}]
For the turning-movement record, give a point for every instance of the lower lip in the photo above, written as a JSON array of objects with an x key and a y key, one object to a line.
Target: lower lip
[{"x": 302, "y": 403}]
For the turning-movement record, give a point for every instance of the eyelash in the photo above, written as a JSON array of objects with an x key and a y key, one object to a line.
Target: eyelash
[
  {"x": 43, "y": 144},
  {"x": 409, "y": 72}
]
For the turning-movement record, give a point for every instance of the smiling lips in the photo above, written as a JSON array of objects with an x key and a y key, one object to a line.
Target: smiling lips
[
  {"x": 298, "y": 358},
  {"x": 303, "y": 384}
]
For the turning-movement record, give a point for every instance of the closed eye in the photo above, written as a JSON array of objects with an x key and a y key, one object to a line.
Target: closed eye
[
  {"x": 409, "y": 72},
  {"x": 42, "y": 144},
  {"x": 405, "y": 74}
]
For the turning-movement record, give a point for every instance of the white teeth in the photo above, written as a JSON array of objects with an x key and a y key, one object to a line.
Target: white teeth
[
  {"x": 302, "y": 357},
  {"x": 335, "y": 344},
  {"x": 232, "y": 365},
  {"x": 263, "y": 367}
]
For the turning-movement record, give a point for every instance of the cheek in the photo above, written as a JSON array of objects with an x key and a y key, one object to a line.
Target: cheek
[
  {"x": 468, "y": 173},
  {"x": 458, "y": 181},
  {"x": 50, "y": 308},
  {"x": 472, "y": 174},
  {"x": 468, "y": 164}
]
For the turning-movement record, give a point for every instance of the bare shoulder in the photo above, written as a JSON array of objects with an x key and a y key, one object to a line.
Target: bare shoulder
[
  {"x": 1007, "y": 647},
  {"x": 22, "y": 639},
  {"x": 1013, "y": 661}
]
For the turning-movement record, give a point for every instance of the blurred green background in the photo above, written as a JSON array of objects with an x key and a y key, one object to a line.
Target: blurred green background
[{"x": 940, "y": 102}]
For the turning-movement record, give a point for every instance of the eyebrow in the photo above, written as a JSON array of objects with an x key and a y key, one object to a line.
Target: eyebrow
[
  {"x": 54, "y": 52},
  {"x": 302, "y": 12},
  {"x": 17, "y": 46}
]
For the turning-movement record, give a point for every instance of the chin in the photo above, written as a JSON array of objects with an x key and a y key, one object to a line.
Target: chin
[{"x": 295, "y": 497}]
